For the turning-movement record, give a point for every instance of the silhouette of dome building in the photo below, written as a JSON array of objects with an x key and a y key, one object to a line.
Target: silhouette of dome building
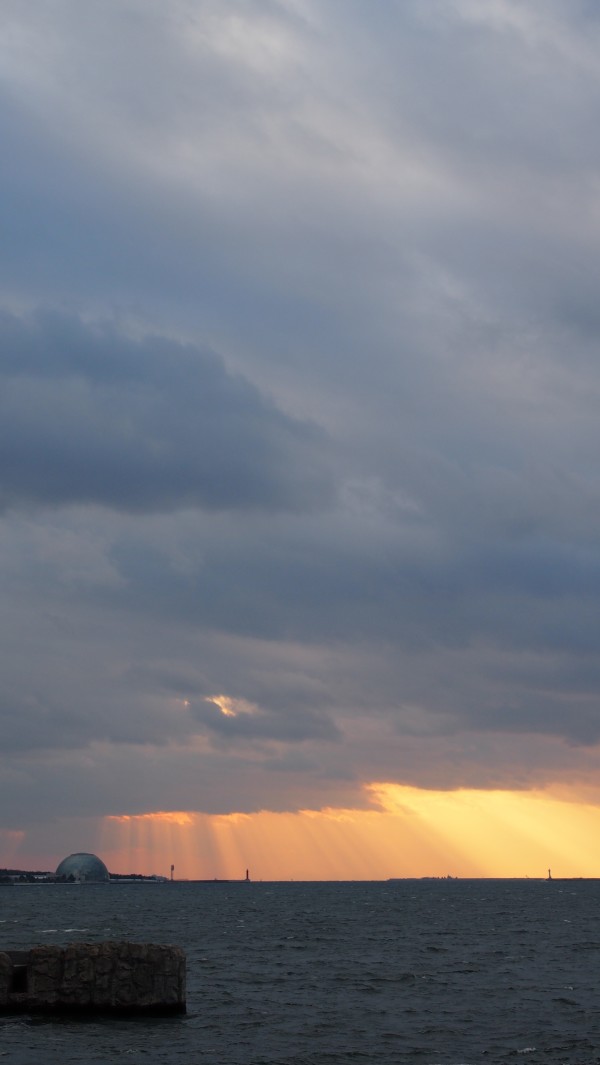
[{"x": 82, "y": 867}]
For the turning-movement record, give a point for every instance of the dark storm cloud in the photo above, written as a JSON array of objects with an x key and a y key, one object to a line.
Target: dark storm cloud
[
  {"x": 87, "y": 416},
  {"x": 388, "y": 223},
  {"x": 328, "y": 582}
]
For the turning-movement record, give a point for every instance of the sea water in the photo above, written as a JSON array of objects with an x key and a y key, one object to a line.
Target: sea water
[{"x": 439, "y": 972}]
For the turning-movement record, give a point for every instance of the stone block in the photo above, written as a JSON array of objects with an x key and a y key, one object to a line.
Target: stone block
[{"x": 112, "y": 977}]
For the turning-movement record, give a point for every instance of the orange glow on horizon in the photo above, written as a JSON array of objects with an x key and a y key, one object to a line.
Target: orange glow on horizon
[{"x": 408, "y": 832}]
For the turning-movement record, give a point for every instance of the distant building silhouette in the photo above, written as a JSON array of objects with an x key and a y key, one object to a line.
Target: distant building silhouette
[{"x": 83, "y": 867}]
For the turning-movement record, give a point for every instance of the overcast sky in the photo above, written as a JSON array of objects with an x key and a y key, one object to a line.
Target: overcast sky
[{"x": 299, "y": 395}]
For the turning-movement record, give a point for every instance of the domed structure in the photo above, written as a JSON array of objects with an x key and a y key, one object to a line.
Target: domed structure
[{"x": 83, "y": 867}]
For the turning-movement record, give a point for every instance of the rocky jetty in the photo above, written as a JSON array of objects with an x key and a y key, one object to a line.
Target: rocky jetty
[{"x": 110, "y": 977}]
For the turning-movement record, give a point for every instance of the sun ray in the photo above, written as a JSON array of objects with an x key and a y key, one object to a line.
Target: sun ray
[{"x": 405, "y": 832}]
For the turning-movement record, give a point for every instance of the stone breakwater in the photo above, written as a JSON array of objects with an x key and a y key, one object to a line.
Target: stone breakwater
[{"x": 109, "y": 977}]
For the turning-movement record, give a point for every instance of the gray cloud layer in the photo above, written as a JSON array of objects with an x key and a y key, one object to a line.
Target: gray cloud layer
[{"x": 298, "y": 399}]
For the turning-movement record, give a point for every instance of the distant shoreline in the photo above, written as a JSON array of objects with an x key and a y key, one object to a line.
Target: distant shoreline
[{"x": 20, "y": 877}]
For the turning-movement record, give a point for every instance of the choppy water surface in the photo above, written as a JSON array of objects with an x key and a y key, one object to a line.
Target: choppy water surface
[{"x": 433, "y": 972}]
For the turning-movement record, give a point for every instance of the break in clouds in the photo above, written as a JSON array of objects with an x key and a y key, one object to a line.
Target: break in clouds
[{"x": 298, "y": 401}]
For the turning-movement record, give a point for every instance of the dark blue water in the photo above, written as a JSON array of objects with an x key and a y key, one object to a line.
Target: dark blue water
[{"x": 433, "y": 972}]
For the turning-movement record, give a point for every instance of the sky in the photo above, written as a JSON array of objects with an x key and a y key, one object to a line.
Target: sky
[{"x": 299, "y": 436}]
